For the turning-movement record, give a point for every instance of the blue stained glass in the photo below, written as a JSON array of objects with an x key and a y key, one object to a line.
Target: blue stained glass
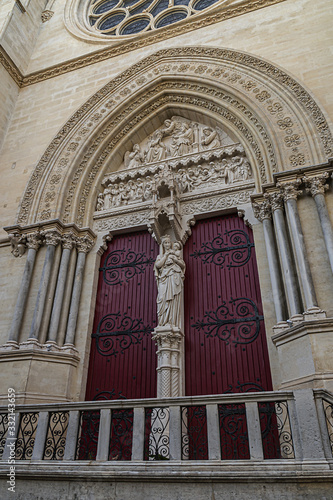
[
  {"x": 111, "y": 21},
  {"x": 159, "y": 7},
  {"x": 171, "y": 18},
  {"x": 142, "y": 7},
  {"x": 105, "y": 6},
  {"x": 129, "y": 3},
  {"x": 203, "y": 4},
  {"x": 181, "y": 2},
  {"x": 135, "y": 26}
]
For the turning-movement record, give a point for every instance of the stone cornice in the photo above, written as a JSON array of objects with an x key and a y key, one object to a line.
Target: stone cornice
[
  {"x": 304, "y": 328},
  {"x": 299, "y": 175},
  {"x": 128, "y": 45}
]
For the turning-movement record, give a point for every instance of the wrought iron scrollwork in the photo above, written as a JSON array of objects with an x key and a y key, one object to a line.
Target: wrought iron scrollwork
[
  {"x": 194, "y": 434},
  {"x": 233, "y": 432},
  {"x": 120, "y": 266},
  {"x": 26, "y": 436},
  {"x": 56, "y": 435},
  {"x": 275, "y": 430},
  {"x": 121, "y": 435},
  {"x": 245, "y": 387},
  {"x": 157, "y": 434},
  {"x": 3, "y": 431},
  {"x": 108, "y": 395},
  {"x": 86, "y": 447},
  {"x": 328, "y": 409},
  {"x": 115, "y": 330},
  {"x": 243, "y": 322},
  {"x": 234, "y": 244}
]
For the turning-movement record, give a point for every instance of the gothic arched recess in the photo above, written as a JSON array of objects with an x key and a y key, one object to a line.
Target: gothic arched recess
[
  {"x": 275, "y": 119},
  {"x": 229, "y": 122}
]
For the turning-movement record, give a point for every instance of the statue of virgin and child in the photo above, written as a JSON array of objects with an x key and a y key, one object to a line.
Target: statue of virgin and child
[{"x": 169, "y": 271}]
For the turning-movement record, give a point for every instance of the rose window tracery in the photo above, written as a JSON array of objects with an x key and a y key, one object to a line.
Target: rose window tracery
[{"x": 131, "y": 17}]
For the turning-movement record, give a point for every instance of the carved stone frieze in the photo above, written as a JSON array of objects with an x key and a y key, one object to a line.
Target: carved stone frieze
[
  {"x": 232, "y": 167},
  {"x": 262, "y": 210},
  {"x": 123, "y": 221},
  {"x": 213, "y": 203},
  {"x": 316, "y": 185}
]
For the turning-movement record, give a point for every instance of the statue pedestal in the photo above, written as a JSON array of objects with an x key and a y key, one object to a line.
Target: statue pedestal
[{"x": 169, "y": 341}]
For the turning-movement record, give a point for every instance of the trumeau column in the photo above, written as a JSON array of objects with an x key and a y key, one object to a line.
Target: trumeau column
[
  {"x": 52, "y": 238},
  {"x": 33, "y": 242},
  {"x": 68, "y": 241},
  {"x": 263, "y": 213},
  {"x": 317, "y": 187},
  {"x": 288, "y": 270},
  {"x": 84, "y": 245},
  {"x": 290, "y": 194}
]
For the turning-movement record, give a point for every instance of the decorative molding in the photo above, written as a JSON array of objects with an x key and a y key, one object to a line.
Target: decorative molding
[
  {"x": 63, "y": 151},
  {"x": 46, "y": 15},
  {"x": 127, "y": 46}
]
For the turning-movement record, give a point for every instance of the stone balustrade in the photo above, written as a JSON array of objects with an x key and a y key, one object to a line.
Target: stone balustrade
[{"x": 292, "y": 428}]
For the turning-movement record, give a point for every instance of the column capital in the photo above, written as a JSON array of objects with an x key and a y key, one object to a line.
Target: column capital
[
  {"x": 317, "y": 184},
  {"x": 275, "y": 200},
  {"x": 289, "y": 190},
  {"x": 84, "y": 244},
  {"x": 68, "y": 240},
  {"x": 262, "y": 210},
  {"x": 34, "y": 240},
  {"x": 52, "y": 237}
]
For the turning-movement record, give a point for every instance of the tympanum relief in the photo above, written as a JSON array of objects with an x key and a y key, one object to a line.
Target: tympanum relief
[{"x": 192, "y": 156}]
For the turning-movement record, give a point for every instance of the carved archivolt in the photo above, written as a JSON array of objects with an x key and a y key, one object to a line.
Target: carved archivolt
[{"x": 254, "y": 102}]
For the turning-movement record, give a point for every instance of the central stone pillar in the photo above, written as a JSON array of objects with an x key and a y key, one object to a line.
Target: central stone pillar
[{"x": 169, "y": 340}]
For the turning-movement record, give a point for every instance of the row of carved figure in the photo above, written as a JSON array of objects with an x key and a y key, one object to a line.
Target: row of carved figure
[
  {"x": 188, "y": 179},
  {"x": 177, "y": 137}
]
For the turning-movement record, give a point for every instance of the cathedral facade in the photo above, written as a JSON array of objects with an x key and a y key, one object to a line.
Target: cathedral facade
[{"x": 166, "y": 249}]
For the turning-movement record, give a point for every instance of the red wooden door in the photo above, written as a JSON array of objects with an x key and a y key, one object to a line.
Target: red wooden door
[
  {"x": 225, "y": 342},
  {"x": 123, "y": 355}
]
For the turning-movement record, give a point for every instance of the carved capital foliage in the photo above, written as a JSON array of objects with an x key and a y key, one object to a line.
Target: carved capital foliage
[
  {"x": 262, "y": 210},
  {"x": 316, "y": 185},
  {"x": 68, "y": 240},
  {"x": 34, "y": 240},
  {"x": 290, "y": 190},
  {"x": 52, "y": 237},
  {"x": 275, "y": 200},
  {"x": 84, "y": 244}
]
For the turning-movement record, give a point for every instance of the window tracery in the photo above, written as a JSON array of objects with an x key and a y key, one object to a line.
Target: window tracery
[{"x": 130, "y": 17}]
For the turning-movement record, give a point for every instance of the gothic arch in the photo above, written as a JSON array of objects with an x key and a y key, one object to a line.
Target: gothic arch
[{"x": 276, "y": 120}]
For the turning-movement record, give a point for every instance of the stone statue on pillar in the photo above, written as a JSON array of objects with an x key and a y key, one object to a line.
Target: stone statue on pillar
[{"x": 170, "y": 273}]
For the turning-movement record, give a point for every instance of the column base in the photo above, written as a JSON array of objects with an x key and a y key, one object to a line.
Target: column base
[
  {"x": 314, "y": 313},
  {"x": 11, "y": 345}
]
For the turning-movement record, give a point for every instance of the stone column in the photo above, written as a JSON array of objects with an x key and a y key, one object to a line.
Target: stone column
[
  {"x": 290, "y": 194},
  {"x": 168, "y": 340},
  {"x": 32, "y": 242},
  {"x": 317, "y": 187},
  {"x": 52, "y": 238},
  {"x": 84, "y": 245},
  {"x": 263, "y": 213},
  {"x": 67, "y": 245},
  {"x": 288, "y": 270}
]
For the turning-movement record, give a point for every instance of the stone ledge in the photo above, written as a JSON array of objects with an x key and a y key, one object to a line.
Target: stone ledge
[{"x": 301, "y": 329}]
